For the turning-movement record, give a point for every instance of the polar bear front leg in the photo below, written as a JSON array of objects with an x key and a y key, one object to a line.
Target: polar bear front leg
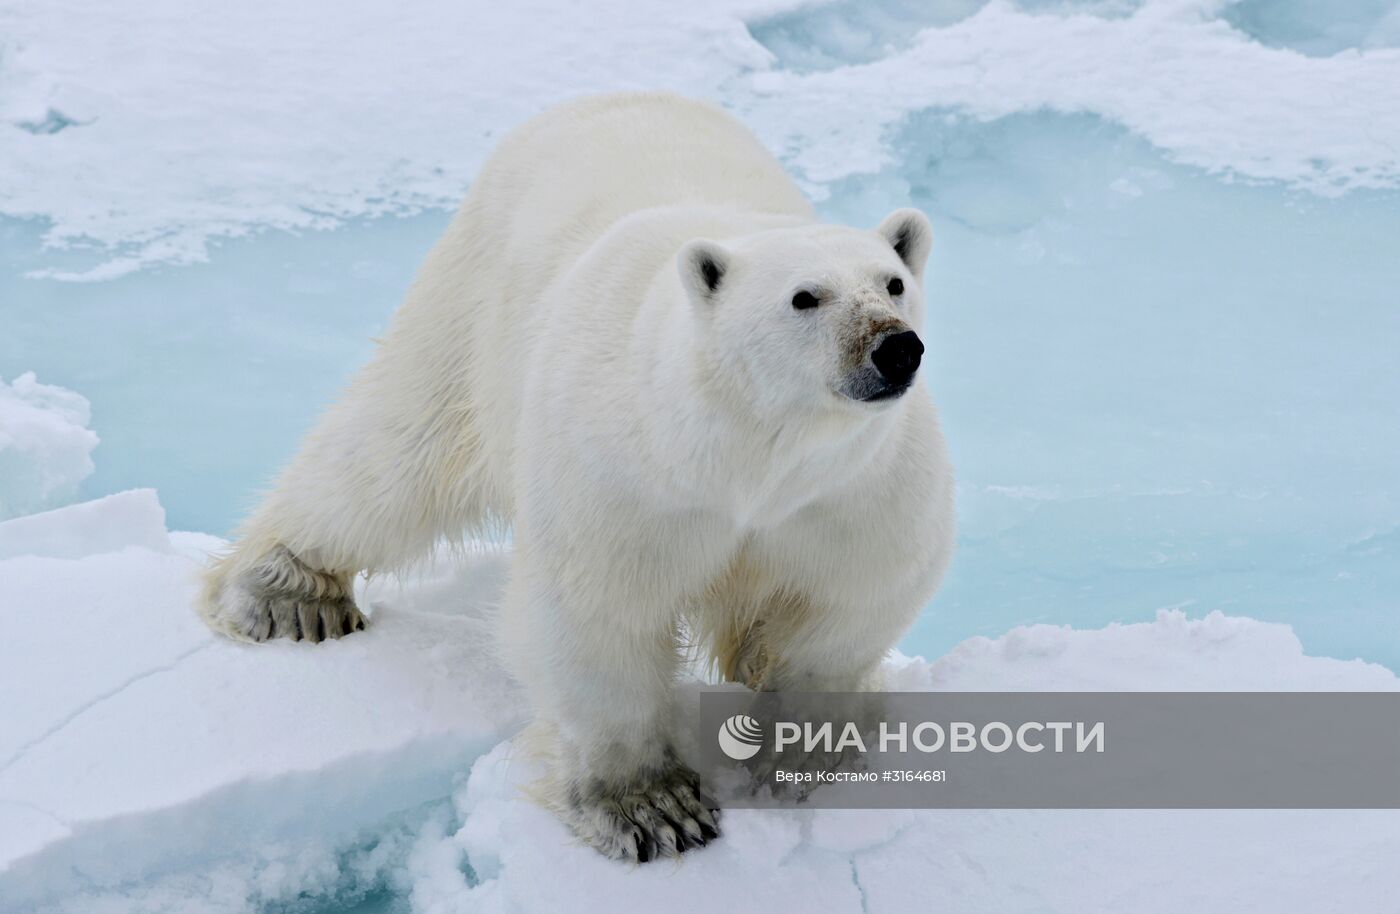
[
  {"x": 598, "y": 647},
  {"x": 659, "y": 811},
  {"x": 619, "y": 783}
]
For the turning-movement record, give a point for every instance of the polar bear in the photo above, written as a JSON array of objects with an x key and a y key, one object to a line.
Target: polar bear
[{"x": 694, "y": 405}]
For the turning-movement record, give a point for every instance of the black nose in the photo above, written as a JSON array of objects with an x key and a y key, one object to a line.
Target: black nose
[{"x": 897, "y": 357}]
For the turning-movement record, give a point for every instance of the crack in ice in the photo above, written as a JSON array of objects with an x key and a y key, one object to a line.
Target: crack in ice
[{"x": 97, "y": 700}]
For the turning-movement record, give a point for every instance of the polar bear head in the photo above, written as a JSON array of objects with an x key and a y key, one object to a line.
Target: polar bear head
[{"x": 813, "y": 316}]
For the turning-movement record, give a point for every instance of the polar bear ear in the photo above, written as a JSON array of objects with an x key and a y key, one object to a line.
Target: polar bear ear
[
  {"x": 702, "y": 267},
  {"x": 908, "y": 232}
]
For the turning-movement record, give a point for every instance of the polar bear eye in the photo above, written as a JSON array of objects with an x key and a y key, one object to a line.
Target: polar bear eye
[
  {"x": 804, "y": 300},
  {"x": 895, "y": 286}
]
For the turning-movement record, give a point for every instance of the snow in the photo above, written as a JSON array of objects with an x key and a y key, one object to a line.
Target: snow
[
  {"x": 45, "y": 445},
  {"x": 886, "y": 862},
  {"x": 199, "y": 126},
  {"x": 111, "y": 524},
  {"x": 1169, "y": 72},
  {"x": 152, "y": 767},
  {"x": 1174, "y": 653}
]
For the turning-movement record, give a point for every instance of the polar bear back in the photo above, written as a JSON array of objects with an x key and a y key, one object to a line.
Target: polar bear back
[{"x": 563, "y": 178}]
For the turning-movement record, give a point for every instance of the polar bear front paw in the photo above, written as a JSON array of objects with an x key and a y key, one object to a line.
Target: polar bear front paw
[
  {"x": 660, "y": 816},
  {"x": 296, "y": 616},
  {"x": 283, "y": 597}
]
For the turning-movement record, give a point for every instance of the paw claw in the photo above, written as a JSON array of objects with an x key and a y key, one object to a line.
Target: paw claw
[
  {"x": 270, "y": 602},
  {"x": 664, "y": 819},
  {"x": 690, "y": 835}
]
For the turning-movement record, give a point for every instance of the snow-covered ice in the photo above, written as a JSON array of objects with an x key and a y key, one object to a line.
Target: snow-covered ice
[
  {"x": 45, "y": 445},
  {"x": 146, "y": 765},
  {"x": 306, "y": 124},
  {"x": 127, "y": 519},
  {"x": 136, "y": 743}
]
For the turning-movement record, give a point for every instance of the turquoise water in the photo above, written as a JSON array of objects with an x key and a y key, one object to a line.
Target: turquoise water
[
  {"x": 203, "y": 378},
  {"x": 1161, "y": 387}
]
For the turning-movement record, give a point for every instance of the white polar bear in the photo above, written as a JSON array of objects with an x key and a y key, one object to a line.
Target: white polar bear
[{"x": 693, "y": 403}]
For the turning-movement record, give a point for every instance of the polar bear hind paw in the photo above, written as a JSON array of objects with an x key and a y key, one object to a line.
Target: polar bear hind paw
[
  {"x": 282, "y": 597},
  {"x": 663, "y": 816}
]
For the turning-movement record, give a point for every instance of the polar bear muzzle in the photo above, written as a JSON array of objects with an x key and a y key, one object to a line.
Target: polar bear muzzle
[
  {"x": 894, "y": 360},
  {"x": 897, "y": 358}
]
